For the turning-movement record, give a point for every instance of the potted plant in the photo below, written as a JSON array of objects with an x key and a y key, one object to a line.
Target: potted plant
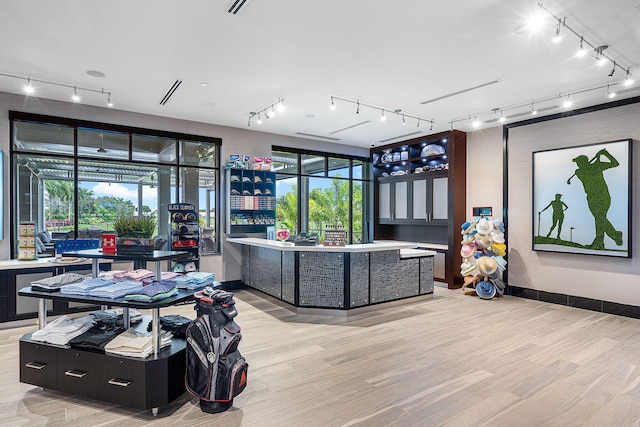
[{"x": 134, "y": 234}]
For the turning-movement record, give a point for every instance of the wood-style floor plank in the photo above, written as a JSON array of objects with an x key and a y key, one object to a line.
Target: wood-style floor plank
[{"x": 454, "y": 360}]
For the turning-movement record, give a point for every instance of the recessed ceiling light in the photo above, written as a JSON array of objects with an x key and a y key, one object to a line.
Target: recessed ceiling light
[
  {"x": 310, "y": 116},
  {"x": 204, "y": 84},
  {"x": 209, "y": 104},
  {"x": 96, "y": 73}
]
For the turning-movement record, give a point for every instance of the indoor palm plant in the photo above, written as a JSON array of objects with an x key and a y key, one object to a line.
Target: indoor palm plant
[{"x": 134, "y": 234}]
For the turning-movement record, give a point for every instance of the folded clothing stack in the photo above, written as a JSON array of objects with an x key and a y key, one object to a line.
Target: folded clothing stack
[
  {"x": 83, "y": 288},
  {"x": 51, "y": 284},
  {"x": 195, "y": 280},
  {"x": 63, "y": 329},
  {"x": 115, "y": 290},
  {"x": 136, "y": 344},
  {"x": 115, "y": 316},
  {"x": 166, "y": 275},
  {"x": 137, "y": 275},
  {"x": 153, "y": 292}
]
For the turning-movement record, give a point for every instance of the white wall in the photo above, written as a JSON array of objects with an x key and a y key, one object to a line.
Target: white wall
[
  {"x": 234, "y": 140},
  {"x": 484, "y": 170},
  {"x": 597, "y": 277}
]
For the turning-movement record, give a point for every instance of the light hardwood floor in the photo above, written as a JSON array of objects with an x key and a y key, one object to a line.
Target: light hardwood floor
[{"x": 455, "y": 360}]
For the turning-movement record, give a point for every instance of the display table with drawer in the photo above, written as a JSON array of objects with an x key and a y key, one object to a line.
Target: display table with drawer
[{"x": 147, "y": 383}]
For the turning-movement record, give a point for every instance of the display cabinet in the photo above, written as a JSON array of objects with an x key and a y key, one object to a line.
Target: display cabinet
[
  {"x": 251, "y": 199},
  {"x": 420, "y": 193}
]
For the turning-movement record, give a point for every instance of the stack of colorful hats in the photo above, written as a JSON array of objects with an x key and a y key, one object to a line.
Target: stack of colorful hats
[{"x": 483, "y": 250}]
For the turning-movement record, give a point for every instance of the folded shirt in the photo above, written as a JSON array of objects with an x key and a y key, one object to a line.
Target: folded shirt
[
  {"x": 51, "y": 284},
  {"x": 134, "y": 343},
  {"x": 63, "y": 329},
  {"x": 153, "y": 292},
  {"x": 83, "y": 288},
  {"x": 115, "y": 290}
]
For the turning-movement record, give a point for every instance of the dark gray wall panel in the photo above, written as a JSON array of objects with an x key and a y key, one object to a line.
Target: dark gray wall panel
[
  {"x": 359, "y": 273},
  {"x": 266, "y": 269},
  {"x": 393, "y": 278},
  {"x": 288, "y": 277},
  {"x": 426, "y": 275},
  {"x": 321, "y": 279},
  {"x": 246, "y": 265}
]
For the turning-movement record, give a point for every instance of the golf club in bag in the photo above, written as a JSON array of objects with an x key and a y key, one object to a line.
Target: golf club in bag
[{"x": 216, "y": 371}]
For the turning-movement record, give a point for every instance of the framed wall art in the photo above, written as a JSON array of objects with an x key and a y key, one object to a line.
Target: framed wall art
[{"x": 582, "y": 199}]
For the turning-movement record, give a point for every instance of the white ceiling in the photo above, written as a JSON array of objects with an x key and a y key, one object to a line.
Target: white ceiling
[{"x": 389, "y": 54}]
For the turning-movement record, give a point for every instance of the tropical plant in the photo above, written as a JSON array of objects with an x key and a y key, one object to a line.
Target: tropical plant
[{"x": 134, "y": 226}]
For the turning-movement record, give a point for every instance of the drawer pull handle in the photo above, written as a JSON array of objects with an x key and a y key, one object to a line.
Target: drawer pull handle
[
  {"x": 119, "y": 382},
  {"x": 35, "y": 365},
  {"x": 75, "y": 373}
]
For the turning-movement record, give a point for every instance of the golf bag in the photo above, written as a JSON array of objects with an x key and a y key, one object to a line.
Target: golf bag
[{"x": 216, "y": 371}]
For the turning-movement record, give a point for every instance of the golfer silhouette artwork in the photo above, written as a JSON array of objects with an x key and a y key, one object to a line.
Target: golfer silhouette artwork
[
  {"x": 558, "y": 207},
  {"x": 590, "y": 173}
]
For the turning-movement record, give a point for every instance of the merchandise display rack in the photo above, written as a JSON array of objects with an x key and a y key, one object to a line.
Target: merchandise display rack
[
  {"x": 251, "y": 199},
  {"x": 185, "y": 233},
  {"x": 133, "y": 382}
]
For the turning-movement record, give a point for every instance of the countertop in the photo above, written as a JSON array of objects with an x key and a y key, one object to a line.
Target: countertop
[
  {"x": 382, "y": 245},
  {"x": 14, "y": 264}
]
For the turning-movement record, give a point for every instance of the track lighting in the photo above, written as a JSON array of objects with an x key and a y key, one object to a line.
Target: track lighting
[
  {"x": 557, "y": 38},
  {"x": 600, "y": 56},
  {"x": 567, "y": 103},
  {"x": 475, "y": 123},
  {"x": 29, "y": 89},
  {"x": 383, "y": 111},
  {"x": 611, "y": 94},
  {"x": 269, "y": 111},
  {"x": 502, "y": 119},
  {"x": 628, "y": 80},
  {"x": 533, "y": 110},
  {"x": 581, "y": 50},
  {"x": 431, "y": 127}
]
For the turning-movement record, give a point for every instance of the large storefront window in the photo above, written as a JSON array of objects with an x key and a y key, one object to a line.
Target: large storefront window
[
  {"x": 73, "y": 179},
  {"x": 328, "y": 191}
]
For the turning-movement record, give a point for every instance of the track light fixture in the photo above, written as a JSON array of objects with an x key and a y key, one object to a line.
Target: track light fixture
[
  {"x": 383, "y": 110},
  {"x": 101, "y": 149},
  {"x": 581, "y": 50},
  {"x": 562, "y": 100},
  {"x": 557, "y": 38},
  {"x": 628, "y": 80},
  {"x": 600, "y": 56},
  {"x": 333, "y": 105},
  {"x": 30, "y": 90},
  {"x": 611, "y": 94},
  {"x": 268, "y": 111}
]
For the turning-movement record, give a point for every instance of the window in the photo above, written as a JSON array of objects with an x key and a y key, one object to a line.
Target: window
[
  {"x": 74, "y": 178},
  {"x": 329, "y": 191}
]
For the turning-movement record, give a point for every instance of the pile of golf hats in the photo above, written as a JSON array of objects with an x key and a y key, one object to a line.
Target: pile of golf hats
[{"x": 483, "y": 250}]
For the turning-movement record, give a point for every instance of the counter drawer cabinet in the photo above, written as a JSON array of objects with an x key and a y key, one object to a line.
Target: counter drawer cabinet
[
  {"x": 78, "y": 372},
  {"x": 39, "y": 364},
  {"x": 135, "y": 383}
]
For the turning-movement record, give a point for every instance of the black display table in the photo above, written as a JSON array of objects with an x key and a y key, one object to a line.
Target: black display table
[{"x": 139, "y": 383}]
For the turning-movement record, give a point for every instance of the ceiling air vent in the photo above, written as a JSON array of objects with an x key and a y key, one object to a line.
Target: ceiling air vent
[
  {"x": 317, "y": 136},
  {"x": 170, "y": 92},
  {"x": 235, "y": 7}
]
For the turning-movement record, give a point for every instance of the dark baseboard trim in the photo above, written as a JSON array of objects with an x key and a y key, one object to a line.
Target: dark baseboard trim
[{"x": 575, "y": 301}]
